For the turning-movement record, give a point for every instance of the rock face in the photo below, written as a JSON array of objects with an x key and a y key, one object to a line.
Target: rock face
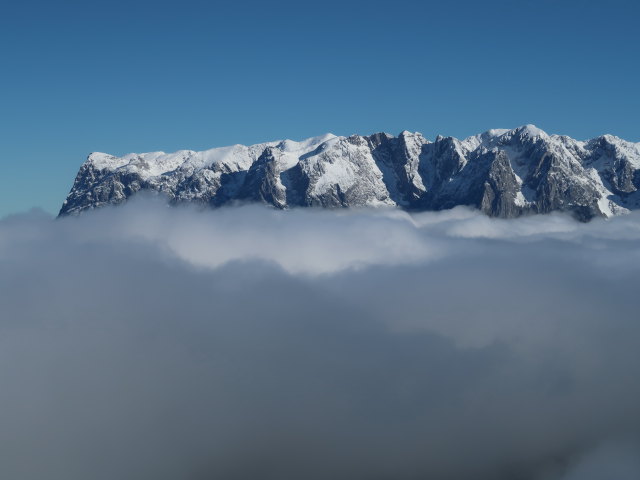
[{"x": 504, "y": 173}]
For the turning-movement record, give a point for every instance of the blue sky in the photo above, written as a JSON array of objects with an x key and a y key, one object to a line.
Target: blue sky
[{"x": 118, "y": 77}]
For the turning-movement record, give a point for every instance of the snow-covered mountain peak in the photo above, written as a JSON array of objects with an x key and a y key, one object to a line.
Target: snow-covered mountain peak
[
  {"x": 530, "y": 131},
  {"x": 490, "y": 138},
  {"x": 409, "y": 137},
  {"x": 407, "y": 133},
  {"x": 149, "y": 164},
  {"x": 504, "y": 173},
  {"x": 103, "y": 161},
  {"x": 309, "y": 143}
]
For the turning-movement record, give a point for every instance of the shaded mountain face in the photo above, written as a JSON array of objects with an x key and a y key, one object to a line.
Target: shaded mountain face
[{"x": 504, "y": 173}]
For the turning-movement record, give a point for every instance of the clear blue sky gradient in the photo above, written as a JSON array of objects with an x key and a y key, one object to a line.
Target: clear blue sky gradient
[{"x": 119, "y": 77}]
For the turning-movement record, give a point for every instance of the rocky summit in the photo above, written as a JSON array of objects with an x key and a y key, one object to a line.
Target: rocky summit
[{"x": 503, "y": 173}]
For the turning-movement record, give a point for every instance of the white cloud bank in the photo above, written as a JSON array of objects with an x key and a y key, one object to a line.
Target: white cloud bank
[{"x": 144, "y": 342}]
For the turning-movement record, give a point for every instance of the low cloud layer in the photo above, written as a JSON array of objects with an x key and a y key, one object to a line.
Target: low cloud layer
[{"x": 146, "y": 342}]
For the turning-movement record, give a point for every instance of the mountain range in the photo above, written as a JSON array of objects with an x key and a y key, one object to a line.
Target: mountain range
[{"x": 503, "y": 173}]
